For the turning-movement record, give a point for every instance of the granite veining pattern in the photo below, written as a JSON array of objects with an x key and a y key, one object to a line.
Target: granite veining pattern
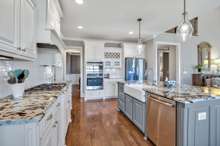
[
  {"x": 32, "y": 107},
  {"x": 184, "y": 93}
]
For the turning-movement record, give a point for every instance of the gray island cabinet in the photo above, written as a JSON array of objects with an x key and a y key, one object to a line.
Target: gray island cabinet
[
  {"x": 134, "y": 109},
  {"x": 196, "y": 116},
  {"x": 198, "y": 124}
]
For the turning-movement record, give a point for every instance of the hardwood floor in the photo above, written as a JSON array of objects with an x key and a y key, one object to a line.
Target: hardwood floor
[{"x": 98, "y": 123}]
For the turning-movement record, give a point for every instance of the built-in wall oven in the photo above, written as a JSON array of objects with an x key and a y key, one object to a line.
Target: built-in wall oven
[{"x": 94, "y": 75}]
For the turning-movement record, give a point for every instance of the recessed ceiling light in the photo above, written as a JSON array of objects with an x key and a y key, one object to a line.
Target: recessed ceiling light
[
  {"x": 80, "y": 27},
  {"x": 131, "y": 32},
  {"x": 80, "y": 2}
]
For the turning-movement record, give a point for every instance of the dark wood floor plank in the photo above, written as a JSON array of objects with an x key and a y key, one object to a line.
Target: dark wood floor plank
[{"x": 98, "y": 123}]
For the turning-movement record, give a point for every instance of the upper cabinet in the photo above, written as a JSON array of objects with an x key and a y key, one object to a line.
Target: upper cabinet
[
  {"x": 54, "y": 15},
  {"x": 28, "y": 22},
  {"x": 9, "y": 10},
  {"x": 49, "y": 17},
  {"x": 17, "y": 28}
]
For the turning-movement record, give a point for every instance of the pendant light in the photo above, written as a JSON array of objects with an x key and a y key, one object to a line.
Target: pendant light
[
  {"x": 140, "y": 45},
  {"x": 185, "y": 29}
]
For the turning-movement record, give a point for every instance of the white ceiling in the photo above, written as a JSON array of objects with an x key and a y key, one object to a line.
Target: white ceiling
[{"x": 113, "y": 19}]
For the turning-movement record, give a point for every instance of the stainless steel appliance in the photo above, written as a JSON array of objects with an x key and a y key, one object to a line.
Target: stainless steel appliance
[
  {"x": 94, "y": 74},
  {"x": 134, "y": 69},
  {"x": 161, "y": 121}
]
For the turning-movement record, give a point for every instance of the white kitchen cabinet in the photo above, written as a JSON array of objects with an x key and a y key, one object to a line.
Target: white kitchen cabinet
[
  {"x": 109, "y": 88},
  {"x": 27, "y": 28},
  {"x": 53, "y": 16},
  {"x": 47, "y": 140},
  {"x": 17, "y": 28},
  {"x": 9, "y": 14},
  {"x": 49, "y": 16},
  {"x": 49, "y": 131}
]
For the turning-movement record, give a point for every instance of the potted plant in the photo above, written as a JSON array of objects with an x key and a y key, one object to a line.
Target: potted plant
[
  {"x": 199, "y": 67},
  {"x": 16, "y": 79}
]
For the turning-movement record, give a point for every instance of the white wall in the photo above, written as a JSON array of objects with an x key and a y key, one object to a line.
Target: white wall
[{"x": 209, "y": 30}]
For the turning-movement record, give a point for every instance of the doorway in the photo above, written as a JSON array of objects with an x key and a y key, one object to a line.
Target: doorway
[
  {"x": 73, "y": 67},
  {"x": 167, "y": 62}
]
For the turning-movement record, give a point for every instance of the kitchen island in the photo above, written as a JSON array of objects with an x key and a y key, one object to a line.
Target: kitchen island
[
  {"x": 183, "y": 116},
  {"x": 40, "y": 118}
]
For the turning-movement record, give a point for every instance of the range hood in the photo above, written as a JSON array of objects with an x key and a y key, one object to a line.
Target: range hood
[
  {"x": 49, "y": 55},
  {"x": 5, "y": 58},
  {"x": 47, "y": 45}
]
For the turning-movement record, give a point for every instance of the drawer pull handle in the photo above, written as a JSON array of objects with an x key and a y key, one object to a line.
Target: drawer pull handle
[{"x": 50, "y": 117}]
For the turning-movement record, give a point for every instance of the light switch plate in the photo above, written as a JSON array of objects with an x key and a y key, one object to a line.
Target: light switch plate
[{"x": 202, "y": 116}]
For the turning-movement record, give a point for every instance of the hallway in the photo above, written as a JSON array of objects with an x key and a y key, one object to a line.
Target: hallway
[{"x": 98, "y": 123}]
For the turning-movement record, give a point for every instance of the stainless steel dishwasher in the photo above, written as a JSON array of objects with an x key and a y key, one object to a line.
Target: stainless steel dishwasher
[{"x": 161, "y": 121}]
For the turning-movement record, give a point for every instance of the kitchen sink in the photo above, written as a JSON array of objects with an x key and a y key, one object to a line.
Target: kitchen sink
[{"x": 136, "y": 91}]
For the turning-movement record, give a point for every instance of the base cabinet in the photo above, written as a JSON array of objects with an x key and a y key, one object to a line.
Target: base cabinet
[
  {"x": 129, "y": 106},
  {"x": 198, "y": 124},
  {"x": 138, "y": 114},
  {"x": 134, "y": 109},
  {"x": 49, "y": 131},
  {"x": 121, "y": 97}
]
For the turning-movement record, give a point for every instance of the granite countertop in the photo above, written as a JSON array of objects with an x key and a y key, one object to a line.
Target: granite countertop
[
  {"x": 32, "y": 107},
  {"x": 184, "y": 93}
]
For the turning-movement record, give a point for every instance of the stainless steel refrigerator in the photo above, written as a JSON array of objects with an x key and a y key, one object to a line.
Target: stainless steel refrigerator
[{"x": 134, "y": 69}]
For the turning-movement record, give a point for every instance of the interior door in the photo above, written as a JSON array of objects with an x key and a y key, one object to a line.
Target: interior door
[{"x": 165, "y": 65}]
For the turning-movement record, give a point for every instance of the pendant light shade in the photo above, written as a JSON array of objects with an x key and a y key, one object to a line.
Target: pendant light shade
[
  {"x": 140, "y": 45},
  {"x": 185, "y": 29}
]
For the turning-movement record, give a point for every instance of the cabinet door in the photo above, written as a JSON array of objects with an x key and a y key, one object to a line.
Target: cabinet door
[
  {"x": 152, "y": 119},
  {"x": 27, "y": 28},
  {"x": 47, "y": 140},
  {"x": 128, "y": 106},
  {"x": 55, "y": 134},
  {"x": 121, "y": 105},
  {"x": 139, "y": 114},
  {"x": 166, "y": 124},
  {"x": 121, "y": 91},
  {"x": 9, "y": 25},
  {"x": 215, "y": 126},
  {"x": 199, "y": 126}
]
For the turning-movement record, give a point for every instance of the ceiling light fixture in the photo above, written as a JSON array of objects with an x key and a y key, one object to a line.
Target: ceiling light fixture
[
  {"x": 185, "y": 29},
  {"x": 131, "y": 32},
  {"x": 80, "y": 2},
  {"x": 140, "y": 45},
  {"x": 80, "y": 27}
]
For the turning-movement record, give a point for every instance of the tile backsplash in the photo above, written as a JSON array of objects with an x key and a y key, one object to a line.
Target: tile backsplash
[{"x": 36, "y": 76}]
